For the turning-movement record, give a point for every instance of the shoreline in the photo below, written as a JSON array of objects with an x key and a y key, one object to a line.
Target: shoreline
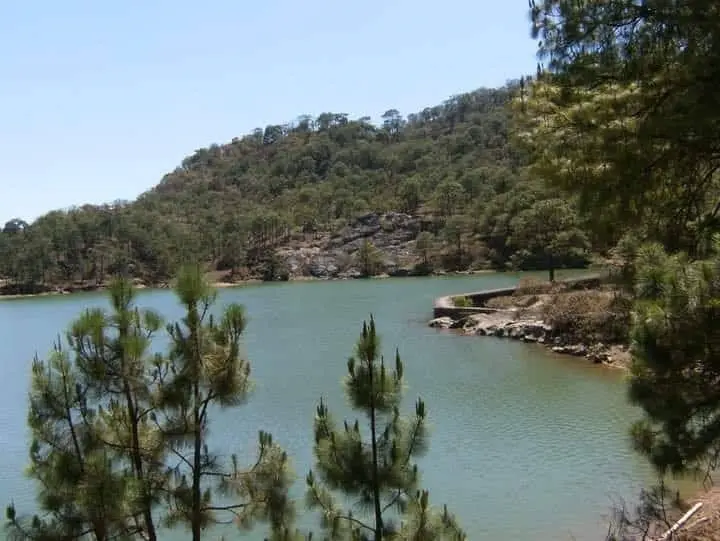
[
  {"x": 222, "y": 284},
  {"x": 511, "y": 322},
  {"x": 515, "y": 320}
]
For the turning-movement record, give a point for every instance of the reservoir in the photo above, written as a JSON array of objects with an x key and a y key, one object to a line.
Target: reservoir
[{"x": 524, "y": 444}]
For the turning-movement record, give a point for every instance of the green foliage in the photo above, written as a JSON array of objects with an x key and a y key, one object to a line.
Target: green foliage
[
  {"x": 622, "y": 116},
  {"x": 677, "y": 360},
  {"x": 119, "y": 434},
  {"x": 548, "y": 231},
  {"x": 424, "y": 246},
  {"x": 208, "y": 371},
  {"x": 368, "y": 259},
  {"x": 379, "y": 474},
  {"x": 456, "y": 232},
  {"x": 622, "y": 119},
  {"x": 96, "y": 455},
  {"x": 232, "y": 206},
  {"x": 461, "y": 301}
]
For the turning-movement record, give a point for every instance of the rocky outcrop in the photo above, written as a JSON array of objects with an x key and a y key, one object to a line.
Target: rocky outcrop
[
  {"x": 511, "y": 324},
  {"x": 333, "y": 256}
]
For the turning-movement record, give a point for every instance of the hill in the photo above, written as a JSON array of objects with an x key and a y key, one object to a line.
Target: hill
[{"x": 303, "y": 198}]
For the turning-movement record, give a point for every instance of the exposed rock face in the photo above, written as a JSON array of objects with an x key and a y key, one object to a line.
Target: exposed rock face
[
  {"x": 325, "y": 256},
  {"x": 510, "y": 324}
]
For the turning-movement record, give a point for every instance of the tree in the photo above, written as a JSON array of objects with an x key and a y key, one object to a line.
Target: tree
[
  {"x": 368, "y": 257},
  {"x": 550, "y": 229},
  {"x": 95, "y": 453},
  {"x": 456, "y": 229},
  {"x": 118, "y": 431},
  {"x": 379, "y": 472},
  {"x": 229, "y": 206},
  {"x": 677, "y": 361},
  {"x": 448, "y": 197},
  {"x": 210, "y": 371},
  {"x": 409, "y": 195},
  {"x": 621, "y": 115},
  {"x": 423, "y": 246},
  {"x": 113, "y": 354},
  {"x": 16, "y": 225}
]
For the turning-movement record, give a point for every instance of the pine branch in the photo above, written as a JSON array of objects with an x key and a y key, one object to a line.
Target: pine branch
[
  {"x": 332, "y": 513},
  {"x": 394, "y": 500}
]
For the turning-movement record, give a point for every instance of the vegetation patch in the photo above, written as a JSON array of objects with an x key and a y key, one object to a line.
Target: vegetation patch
[
  {"x": 462, "y": 301},
  {"x": 588, "y": 316},
  {"x": 442, "y": 189}
]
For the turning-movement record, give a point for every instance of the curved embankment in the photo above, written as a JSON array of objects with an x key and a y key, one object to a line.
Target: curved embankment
[
  {"x": 522, "y": 324},
  {"x": 444, "y": 306}
]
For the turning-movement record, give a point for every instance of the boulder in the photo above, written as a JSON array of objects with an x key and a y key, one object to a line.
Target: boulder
[{"x": 441, "y": 322}]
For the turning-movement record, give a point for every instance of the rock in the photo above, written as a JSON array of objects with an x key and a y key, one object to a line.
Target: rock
[
  {"x": 502, "y": 323},
  {"x": 323, "y": 267},
  {"x": 396, "y": 271},
  {"x": 441, "y": 322},
  {"x": 598, "y": 353},
  {"x": 486, "y": 324},
  {"x": 325, "y": 256},
  {"x": 463, "y": 323},
  {"x": 352, "y": 274},
  {"x": 530, "y": 330},
  {"x": 577, "y": 350}
]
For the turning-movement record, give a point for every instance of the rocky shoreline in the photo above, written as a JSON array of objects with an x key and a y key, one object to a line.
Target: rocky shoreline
[
  {"x": 314, "y": 256},
  {"x": 514, "y": 325}
]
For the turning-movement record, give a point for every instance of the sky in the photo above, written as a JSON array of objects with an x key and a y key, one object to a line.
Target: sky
[{"x": 100, "y": 99}]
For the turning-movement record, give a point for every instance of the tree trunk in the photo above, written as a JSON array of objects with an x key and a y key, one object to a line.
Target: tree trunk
[
  {"x": 551, "y": 268},
  {"x": 376, "y": 485},
  {"x": 196, "y": 495},
  {"x": 196, "y": 508},
  {"x": 138, "y": 466},
  {"x": 135, "y": 450}
]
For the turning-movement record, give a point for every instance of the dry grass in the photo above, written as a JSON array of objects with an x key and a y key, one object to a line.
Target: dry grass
[
  {"x": 705, "y": 525},
  {"x": 534, "y": 286},
  {"x": 508, "y": 302},
  {"x": 588, "y": 316}
]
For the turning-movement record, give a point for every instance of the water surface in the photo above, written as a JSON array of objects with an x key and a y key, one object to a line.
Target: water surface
[{"x": 524, "y": 444}]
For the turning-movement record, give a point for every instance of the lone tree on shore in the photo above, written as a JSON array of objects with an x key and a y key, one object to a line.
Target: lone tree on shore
[{"x": 378, "y": 471}]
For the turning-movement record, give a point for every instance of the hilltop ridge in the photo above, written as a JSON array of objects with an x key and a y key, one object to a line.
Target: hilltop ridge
[{"x": 300, "y": 199}]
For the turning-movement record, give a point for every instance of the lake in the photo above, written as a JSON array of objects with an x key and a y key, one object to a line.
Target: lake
[{"x": 525, "y": 444}]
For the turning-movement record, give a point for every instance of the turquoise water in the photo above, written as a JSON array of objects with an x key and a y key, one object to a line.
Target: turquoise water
[{"x": 524, "y": 444}]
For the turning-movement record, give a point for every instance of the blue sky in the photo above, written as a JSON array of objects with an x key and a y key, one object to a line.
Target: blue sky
[{"x": 99, "y": 99}]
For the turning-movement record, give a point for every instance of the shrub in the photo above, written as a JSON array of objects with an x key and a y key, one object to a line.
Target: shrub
[
  {"x": 589, "y": 316},
  {"x": 462, "y": 302}
]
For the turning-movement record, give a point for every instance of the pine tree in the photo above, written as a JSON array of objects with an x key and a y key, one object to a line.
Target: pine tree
[
  {"x": 379, "y": 473},
  {"x": 208, "y": 371},
  {"x": 89, "y": 407},
  {"x": 368, "y": 258},
  {"x": 114, "y": 354},
  {"x": 110, "y": 420},
  {"x": 676, "y": 368}
]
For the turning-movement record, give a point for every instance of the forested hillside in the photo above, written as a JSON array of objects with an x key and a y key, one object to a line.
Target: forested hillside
[{"x": 322, "y": 196}]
